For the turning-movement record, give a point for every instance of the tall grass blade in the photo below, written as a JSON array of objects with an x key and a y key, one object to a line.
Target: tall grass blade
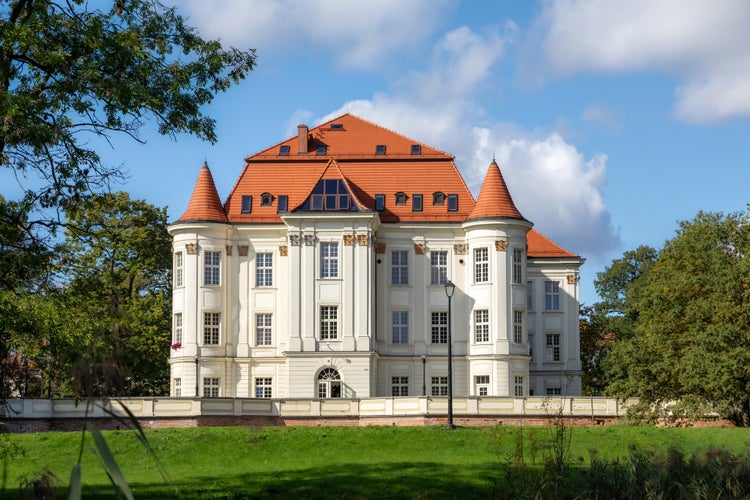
[
  {"x": 110, "y": 464},
  {"x": 74, "y": 488}
]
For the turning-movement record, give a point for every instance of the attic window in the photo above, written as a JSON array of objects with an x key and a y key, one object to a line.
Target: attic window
[
  {"x": 400, "y": 198},
  {"x": 416, "y": 149},
  {"x": 379, "y": 202},
  {"x": 283, "y": 150},
  {"x": 283, "y": 205},
  {"x": 247, "y": 204},
  {"x": 438, "y": 199},
  {"x": 380, "y": 149},
  {"x": 453, "y": 203},
  {"x": 416, "y": 203},
  {"x": 266, "y": 200},
  {"x": 337, "y": 126},
  {"x": 321, "y": 150}
]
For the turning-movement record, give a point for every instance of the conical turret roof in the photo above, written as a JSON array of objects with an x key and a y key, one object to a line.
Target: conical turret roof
[
  {"x": 204, "y": 205},
  {"x": 494, "y": 198}
]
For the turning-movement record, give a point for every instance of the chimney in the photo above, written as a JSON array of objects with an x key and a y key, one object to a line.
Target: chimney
[{"x": 302, "y": 139}]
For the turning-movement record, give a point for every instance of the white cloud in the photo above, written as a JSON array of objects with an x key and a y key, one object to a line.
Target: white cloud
[
  {"x": 598, "y": 114},
  {"x": 707, "y": 44},
  {"x": 360, "y": 34}
]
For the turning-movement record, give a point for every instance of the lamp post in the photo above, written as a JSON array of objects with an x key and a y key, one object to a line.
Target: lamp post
[
  {"x": 424, "y": 375},
  {"x": 196, "y": 377},
  {"x": 450, "y": 288}
]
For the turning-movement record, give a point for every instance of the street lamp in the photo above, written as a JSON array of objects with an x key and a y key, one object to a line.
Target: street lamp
[
  {"x": 197, "y": 386},
  {"x": 424, "y": 375},
  {"x": 450, "y": 289}
]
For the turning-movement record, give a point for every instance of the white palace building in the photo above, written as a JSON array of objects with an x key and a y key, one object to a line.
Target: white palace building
[{"x": 323, "y": 276}]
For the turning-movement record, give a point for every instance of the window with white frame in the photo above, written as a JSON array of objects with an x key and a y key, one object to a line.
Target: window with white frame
[
  {"x": 329, "y": 322},
  {"x": 211, "y": 268},
  {"x": 517, "y": 266},
  {"x": 481, "y": 326},
  {"x": 329, "y": 260},
  {"x": 482, "y": 385},
  {"x": 399, "y": 386},
  {"x": 329, "y": 383},
  {"x": 177, "y": 333},
  {"x": 264, "y": 269},
  {"x": 552, "y": 347},
  {"x": 529, "y": 295},
  {"x": 439, "y": 386},
  {"x": 481, "y": 265},
  {"x": 263, "y": 387},
  {"x": 179, "y": 270},
  {"x": 439, "y": 267},
  {"x": 440, "y": 327},
  {"x": 400, "y": 327},
  {"x": 554, "y": 391},
  {"x": 400, "y": 267},
  {"x": 518, "y": 386},
  {"x": 263, "y": 329},
  {"x": 518, "y": 327},
  {"x": 177, "y": 383},
  {"x": 551, "y": 295},
  {"x": 211, "y": 328},
  {"x": 530, "y": 340},
  {"x": 211, "y": 387}
]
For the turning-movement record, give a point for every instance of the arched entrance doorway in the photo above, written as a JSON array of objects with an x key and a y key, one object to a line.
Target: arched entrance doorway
[{"x": 329, "y": 383}]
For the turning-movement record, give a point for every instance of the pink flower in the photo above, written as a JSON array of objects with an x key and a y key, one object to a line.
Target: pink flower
[{"x": 176, "y": 345}]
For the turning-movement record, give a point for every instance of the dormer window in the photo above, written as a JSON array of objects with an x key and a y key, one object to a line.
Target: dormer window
[
  {"x": 283, "y": 204},
  {"x": 247, "y": 204},
  {"x": 380, "y": 149},
  {"x": 400, "y": 198},
  {"x": 283, "y": 150},
  {"x": 416, "y": 203},
  {"x": 266, "y": 200},
  {"x": 337, "y": 126},
  {"x": 438, "y": 199},
  {"x": 453, "y": 203},
  {"x": 416, "y": 149},
  {"x": 379, "y": 202},
  {"x": 321, "y": 150}
]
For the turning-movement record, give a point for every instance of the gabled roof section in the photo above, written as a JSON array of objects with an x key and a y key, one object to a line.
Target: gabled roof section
[
  {"x": 333, "y": 172},
  {"x": 494, "y": 198},
  {"x": 204, "y": 205},
  {"x": 541, "y": 246}
]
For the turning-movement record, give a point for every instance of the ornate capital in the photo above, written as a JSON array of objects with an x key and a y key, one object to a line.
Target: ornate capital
[
  {"x": 191, "y": 248},
  {"x": 362, "y": 240},
  {"x": 294, "y": 240},
  {"x": 379, "y": 248},
  {"x": 229, "y": 250},
  {"x": 461, "y": 248},
  {"x": 419, "y": 248},
  {"x": 243, "y": 250},
  {"x": 309, "y": 240},
  {"x": 501, "y": 245},
  {"x": 348, "y": 240},
  {"x": 572, "y": 279},
  {"x": 283, "y": 250}
]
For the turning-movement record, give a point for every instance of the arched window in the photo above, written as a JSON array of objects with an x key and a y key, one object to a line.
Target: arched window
[
  {"x": 266, "y": 200},
  {"x": 329, "y": 383},
  {"x": 400, "y": 198},
  {"x": 438, "y": 199}
]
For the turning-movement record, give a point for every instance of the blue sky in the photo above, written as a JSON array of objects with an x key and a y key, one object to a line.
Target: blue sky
[{"x": 611, "y": 120}]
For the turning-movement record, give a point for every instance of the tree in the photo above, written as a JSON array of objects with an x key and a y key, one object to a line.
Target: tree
[
  {"x": 69, "y": 73},
  {"x": 691, "y": 348}
]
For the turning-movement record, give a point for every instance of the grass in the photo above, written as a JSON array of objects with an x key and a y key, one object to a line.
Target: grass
[{"x": 347, "y": 462}]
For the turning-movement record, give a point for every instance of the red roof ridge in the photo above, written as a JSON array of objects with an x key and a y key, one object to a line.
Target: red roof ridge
[
  {"x": 204, "y": 204},
  {"x": 541, "y": 246},
  {"x": 494, "y": 198}
]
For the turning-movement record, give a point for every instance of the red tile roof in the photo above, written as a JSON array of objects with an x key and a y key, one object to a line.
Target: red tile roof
[
  {"x": 204, "y": 205},
  {"x": 541, "y": 246},
  {"x": 494, "y": 198}
]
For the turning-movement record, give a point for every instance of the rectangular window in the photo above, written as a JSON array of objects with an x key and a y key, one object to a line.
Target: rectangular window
[
  {"x": 416, "y": 203},
  {"x": 284, "y": 150},
  {"x": 400, "y": 320},
  {"x": 551, "y": 296},
  {"x": 178, "y": 387},
  {"x": 481, "y": 265},
  {"x": 530, "y": 340},
  {"x": 179, "y": 270},
  {"x": 438, "y": 267},
  {"x": 247, "y": 204},
  {"x": 400, "y": 267},
  {"x": 283, "y": 204},
  {"x": 379, "y": 202},
  {"x": 552, "y": 347},
  {"x": 380, "y": 149},
  {"x": 439, "y": 386},
  {"x": 529, "y": 295},
  {"x": 482, "y": 384},
  {"x": 263, "y": 329},
  {"x": 518, "y": 386},
  {"x": 399, "y": 386},
  {"x": 481, "y": 326},
  {"x": 416, "y": 149},
  {"x": 329, "y": 322},
  {"x": 517, "y": 266},
  {"x": 211, "y": 328},
  {"x": 453, "y": 203},
  {"x": 211, "y": 268},
  {"x": 264, "y": 270},
  {"x": 554, "y": 391},
  {"x": 518, "y": 327},
  {"x": 211, "y": 387},
  {"x": 329, "y": 260},
  {"x": 263, "y": 387},
  {"x": 177, "y": 334},
  {"x": 440, "y": 327}
]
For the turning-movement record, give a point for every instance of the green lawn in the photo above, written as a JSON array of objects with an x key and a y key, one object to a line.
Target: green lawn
[{"x": 339, "y": 462}]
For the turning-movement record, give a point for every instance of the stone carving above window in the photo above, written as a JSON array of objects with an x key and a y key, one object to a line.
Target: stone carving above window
[
  {"x": 348, "y": 240},
  {"x": 243, "y": 250},
  {"x": 461, "y": 248},
  {"x": 283, "y": 250},
  {"x": 501, "y": 245},
  {"x": 191, "y": 248},
  {"x": 419, "y": 248}
]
